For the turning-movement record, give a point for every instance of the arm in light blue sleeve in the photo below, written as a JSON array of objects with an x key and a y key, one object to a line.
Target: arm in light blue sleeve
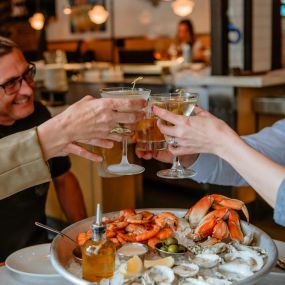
[
  {"x": 279, "y": 209},
  {"x": 269, "y": 141}
]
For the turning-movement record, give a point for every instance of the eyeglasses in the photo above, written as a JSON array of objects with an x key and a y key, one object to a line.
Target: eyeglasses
[{"x": 13, "y": 86}]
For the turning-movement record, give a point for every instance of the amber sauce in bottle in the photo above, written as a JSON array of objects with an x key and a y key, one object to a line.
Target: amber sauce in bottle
[{"x": 98, "y": 254}]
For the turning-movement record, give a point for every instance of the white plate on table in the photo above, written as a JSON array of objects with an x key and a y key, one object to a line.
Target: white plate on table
[{"x": 33, "y": 261}]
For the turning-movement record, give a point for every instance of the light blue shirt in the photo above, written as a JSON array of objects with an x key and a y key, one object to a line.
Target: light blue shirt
[{"x": 269, "y": 141}]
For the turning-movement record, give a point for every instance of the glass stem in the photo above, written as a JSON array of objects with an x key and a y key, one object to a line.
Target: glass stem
[
  {"x": 125, "y": 151},
  {"x": 176, "y": 165},
  {"x": 174, "y": 162}
]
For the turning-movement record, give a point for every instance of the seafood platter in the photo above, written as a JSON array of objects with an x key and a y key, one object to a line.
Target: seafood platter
[{"x": 206, "y": 244}]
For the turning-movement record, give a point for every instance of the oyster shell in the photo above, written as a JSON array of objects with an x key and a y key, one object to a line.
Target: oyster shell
[
  {"x": 207, "y": 260},
  {"x": 250, "y": 257},
  {"x": 186, "y": 269},
  {"x": 193, "y": 281},
  {"x": 238, "y": 269},
  {"x": 216, "y": 248},
  {"x": 217, "y": 281},
  {"x": 159, "y": 274}
]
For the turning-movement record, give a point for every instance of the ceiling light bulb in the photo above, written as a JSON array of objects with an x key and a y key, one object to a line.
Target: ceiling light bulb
[
  {"x": 37, "y": 21},
  {"x": 67, "y": 10},
  {"x": 98, "y": 14},
  {"x": 183, "y": 8}
]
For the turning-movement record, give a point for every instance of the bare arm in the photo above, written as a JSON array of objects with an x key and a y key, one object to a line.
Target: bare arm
[
  {"x": 204, "y": 133},
  {"x": 89, "y": 121},
  {"x": 70, "y": 197},
  {"x": 264, "y": 175}
]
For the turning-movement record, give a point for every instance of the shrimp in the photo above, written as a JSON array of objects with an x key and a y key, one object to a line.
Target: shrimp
[
  {"x": 127, "y": 237},
  {"x": 140, "y": 218},
  {"x": 117, "y": 226},
  {"x": 83, "y": 237},
  {"x": 148, "y": 234},
  {"x": 165, "y": 233},
  {"x": 166, "y": 219},
  {"x": 115, "y": 241},
  {"x": 135, "y": 229},
  {"x": 152, "y": 242},
  {"x": 127, "y": 212}
]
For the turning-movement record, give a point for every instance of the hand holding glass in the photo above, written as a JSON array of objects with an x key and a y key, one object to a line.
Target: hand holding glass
[{"x": 124, "y": 167}]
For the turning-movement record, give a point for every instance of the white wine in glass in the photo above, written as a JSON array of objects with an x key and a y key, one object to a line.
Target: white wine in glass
[
  {"x": 180, "y": 104},
  {"x": 124, "y": 167}
]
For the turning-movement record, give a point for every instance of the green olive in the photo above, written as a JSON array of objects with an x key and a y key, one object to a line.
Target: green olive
[
  {"x": 173, "y": 248},
  {"x": 181, "y": 248},
  {"x": 164, "y": 248},
  {"x": 170, "y": 241}
]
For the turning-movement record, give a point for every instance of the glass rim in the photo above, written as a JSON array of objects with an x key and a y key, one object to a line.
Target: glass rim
[
  {"x": 169, "y": 95},
  {"x": 109, "y": 89}
]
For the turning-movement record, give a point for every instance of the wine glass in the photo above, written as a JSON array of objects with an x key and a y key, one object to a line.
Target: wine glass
[
  {"x": 181, "y": 103},
  {"x": 124, "y": 167}
]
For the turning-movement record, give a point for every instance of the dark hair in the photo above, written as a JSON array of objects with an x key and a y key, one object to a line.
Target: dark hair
[
  {"x": 6, "y": 46},
  {"x": 190, "y": 28}
]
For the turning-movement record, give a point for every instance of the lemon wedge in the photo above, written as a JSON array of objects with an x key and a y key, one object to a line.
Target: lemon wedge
[
  {"x": 133, "y": 266},
  {"x": 167, "y": 261}
]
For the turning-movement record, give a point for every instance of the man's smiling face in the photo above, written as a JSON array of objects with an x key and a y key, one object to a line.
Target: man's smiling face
[{"x": 20, "y": 104}]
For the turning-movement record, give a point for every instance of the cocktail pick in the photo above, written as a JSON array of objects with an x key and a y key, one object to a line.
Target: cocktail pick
[{"x": 135, "y": 81}]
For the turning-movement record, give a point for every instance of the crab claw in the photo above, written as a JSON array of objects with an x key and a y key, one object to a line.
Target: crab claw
[
  {"x": 208, "y": 224},
  {"x": 234, "y": 226},
  {"x": 196, "y": 213},
  {"x": 204, "y": 230},
  {"x": 220, "y": 230},
  {"x": 220, "y": 200}
]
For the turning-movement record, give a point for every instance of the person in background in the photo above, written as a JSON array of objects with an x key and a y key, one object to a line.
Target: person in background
[
  {"x": 84, "y": 53},
  {"x": 225, "y": 158},
  {"x": 186, "y": 37},
  {"x": 19, "y": 112}
]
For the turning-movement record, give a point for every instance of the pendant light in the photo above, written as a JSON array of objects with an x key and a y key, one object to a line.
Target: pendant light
[
  {"x": 183, "y": 8},
  {"x": 37, "y": 21},
  {"x": 67, "y": 10},
  {"x": 98, "y": 14}
]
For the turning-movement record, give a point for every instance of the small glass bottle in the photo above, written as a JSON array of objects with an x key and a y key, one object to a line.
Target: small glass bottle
[{"x": 98, "y": 254}]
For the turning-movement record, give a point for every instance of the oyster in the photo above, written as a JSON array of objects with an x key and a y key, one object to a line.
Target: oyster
[
  {"x": 238, "y": 270},
  {"x": 193, "y": 281},
  {"x": 216, "y": 248},
  {"x": 186, "y": 269},
  {"x": 248, "y": 239},
  {"x": 251, "y": 257},
  {"x": 207, "y": 260},
  {"x": 241, "y": 247},
  {"x": 217, "y": 281},
  {"x": 159, "y": 274}
]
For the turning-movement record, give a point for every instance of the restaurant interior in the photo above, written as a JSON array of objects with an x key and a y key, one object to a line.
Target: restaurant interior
[{"x": 82, "y": 46}]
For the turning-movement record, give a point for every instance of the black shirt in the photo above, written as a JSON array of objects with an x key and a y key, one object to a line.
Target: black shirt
[{"x": 19, "y": 212}]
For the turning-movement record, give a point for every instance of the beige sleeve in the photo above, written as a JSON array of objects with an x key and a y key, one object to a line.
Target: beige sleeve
[{"x": 21, "y": 163}]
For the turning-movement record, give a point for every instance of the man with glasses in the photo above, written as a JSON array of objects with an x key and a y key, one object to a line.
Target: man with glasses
[{"x": 19, "y": 112}]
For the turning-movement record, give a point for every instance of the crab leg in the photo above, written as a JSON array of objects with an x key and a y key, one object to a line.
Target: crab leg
[
  {"x": 234, "y": 226},
  {"x": 220, "y": 230},
  {"x": 196, "y": 213},
  {"x": 220, "y": 200},
  {"x": 208, "y": 223}
]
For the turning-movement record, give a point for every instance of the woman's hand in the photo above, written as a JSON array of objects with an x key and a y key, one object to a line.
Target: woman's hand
[
  {"x": 202, "y": 133},
  {"x": 161, "y": 155},
  {"x": 88, "y": 121}
]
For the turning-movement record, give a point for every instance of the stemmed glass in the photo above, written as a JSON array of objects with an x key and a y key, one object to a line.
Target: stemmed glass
[
  {"x": 124, "y": 167},
  {"x": 181, "y": 104}
]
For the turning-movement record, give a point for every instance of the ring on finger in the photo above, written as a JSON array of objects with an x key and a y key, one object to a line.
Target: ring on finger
[
  {"x": 120, "y": 129},
  {"x": 172, "y": 141}
]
